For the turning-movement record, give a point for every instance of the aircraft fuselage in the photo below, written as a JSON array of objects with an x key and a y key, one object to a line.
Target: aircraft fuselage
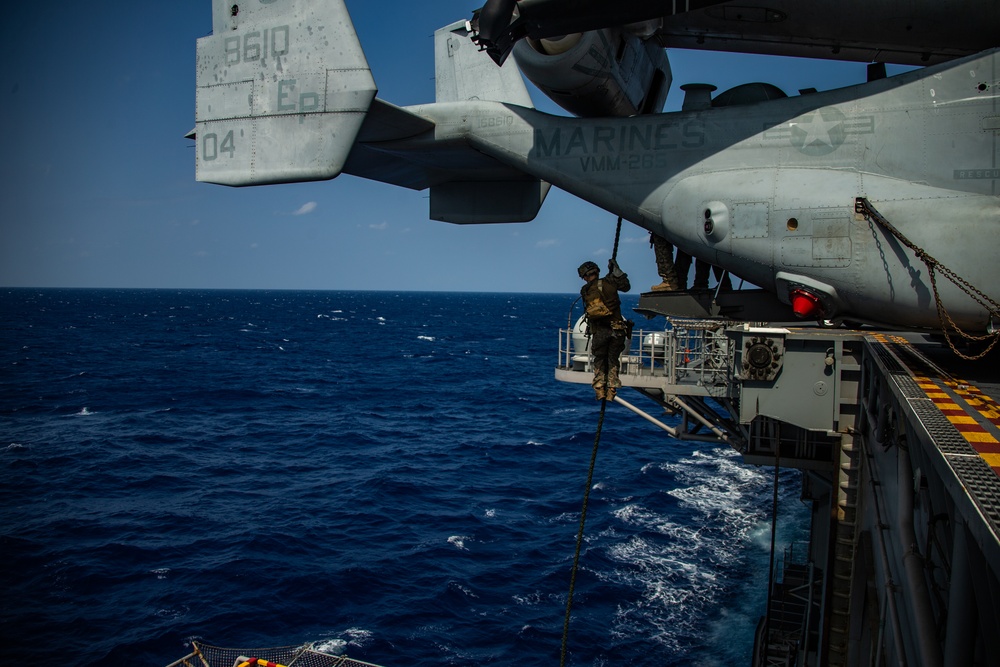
[{"x": 768, "y": 190}]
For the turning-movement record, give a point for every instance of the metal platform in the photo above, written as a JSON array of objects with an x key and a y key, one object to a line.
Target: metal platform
[{"x": 755, "y": 305}]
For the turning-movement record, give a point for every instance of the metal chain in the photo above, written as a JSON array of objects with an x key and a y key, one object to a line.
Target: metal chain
[{"x": 865, "y": 208}]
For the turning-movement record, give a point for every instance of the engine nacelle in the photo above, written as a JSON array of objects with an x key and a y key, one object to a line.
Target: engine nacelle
[{"x": 609, "y": 72}]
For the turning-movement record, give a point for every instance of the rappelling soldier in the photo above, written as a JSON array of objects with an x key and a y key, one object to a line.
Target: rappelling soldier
[{"x": 609, "y": 332}]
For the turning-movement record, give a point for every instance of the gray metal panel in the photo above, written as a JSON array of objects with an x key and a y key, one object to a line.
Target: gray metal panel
[
  {"x": 477, "y": 202},
  {"x": 750, "y": 220},
  {"x": 805, "y": 392},
  {"x": 283, "y": 89},
  {"x": 806, "y": 251},
  {"x": 462, "y": 72},
  {"x": 387, "y": 122}
]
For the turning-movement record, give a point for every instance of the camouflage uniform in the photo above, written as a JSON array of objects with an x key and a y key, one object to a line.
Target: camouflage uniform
[
  {"x": 663, "y": 250},
  {"x": 675, "y": 271},
  {"x": 608, "y": 332}
]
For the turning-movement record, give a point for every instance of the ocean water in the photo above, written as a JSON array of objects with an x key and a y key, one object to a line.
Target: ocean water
[{"x": 396, "y": 476}]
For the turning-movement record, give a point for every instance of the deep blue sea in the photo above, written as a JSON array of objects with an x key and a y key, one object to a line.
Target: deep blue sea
[{"x": 397, "y": 476}]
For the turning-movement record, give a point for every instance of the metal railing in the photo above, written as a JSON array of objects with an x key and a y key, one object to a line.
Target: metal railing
[{"x": 689, "y": 352}]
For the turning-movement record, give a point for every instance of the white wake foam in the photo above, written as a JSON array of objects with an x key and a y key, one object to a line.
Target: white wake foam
[{"x": 680, "y": 564}]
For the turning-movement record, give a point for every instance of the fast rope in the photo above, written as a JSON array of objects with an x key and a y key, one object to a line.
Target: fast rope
[
  {"x": 618, "y": 233},
  {"x": 864, "y": 207},
  {"x": 579, "y": 534},
  {"x": 586, "y": 497}
]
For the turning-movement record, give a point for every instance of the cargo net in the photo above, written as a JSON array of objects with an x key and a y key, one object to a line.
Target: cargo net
[{"x": 203, "y": 655}]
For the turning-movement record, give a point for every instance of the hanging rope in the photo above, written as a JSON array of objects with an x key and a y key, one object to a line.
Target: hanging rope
[
  {"x": 579, "y": 534},
  {"x": 586, "y": 496},
  {"x": 618, "y": 233},
  {"x": 865, "y": 208}
]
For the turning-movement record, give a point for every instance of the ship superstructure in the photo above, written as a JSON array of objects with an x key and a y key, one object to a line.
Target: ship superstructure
[{"x": 898, "y": 442}]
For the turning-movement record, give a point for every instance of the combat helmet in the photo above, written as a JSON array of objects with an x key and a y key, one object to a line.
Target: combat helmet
[{"x": 588, "y": 267}]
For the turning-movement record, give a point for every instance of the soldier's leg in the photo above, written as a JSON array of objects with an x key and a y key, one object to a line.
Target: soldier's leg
[
  {"x": 701, "y": 270},
  {"x": 615, "y": 348},
  {"x": 664, "y": 252},
  {"x": 682, "y": 266},
  {"x": 599, "y": 347},
  {"x": 723, "y": 277}
]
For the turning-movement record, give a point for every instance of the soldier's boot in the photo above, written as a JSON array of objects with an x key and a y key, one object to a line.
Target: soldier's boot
[
  {"x": 666, "y": 286},
  {"x": 670, "y": 282},
  {"x": 598, "y": 385}
]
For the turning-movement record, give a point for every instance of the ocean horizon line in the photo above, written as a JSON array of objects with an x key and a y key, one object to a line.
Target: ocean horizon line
[{"x": 276, "y": 289}]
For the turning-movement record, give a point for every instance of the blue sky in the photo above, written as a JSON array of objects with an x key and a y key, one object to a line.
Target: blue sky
[{"x": 98, "y": 184}]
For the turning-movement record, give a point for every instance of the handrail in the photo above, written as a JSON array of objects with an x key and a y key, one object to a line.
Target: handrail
[{"x": 680, "y": 356}]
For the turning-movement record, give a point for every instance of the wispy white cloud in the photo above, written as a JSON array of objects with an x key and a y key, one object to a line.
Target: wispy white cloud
[
  {"x": 547, "y": 243},
  {"x": 306, "y": 208},
  {"x": 380, "y": 226}
]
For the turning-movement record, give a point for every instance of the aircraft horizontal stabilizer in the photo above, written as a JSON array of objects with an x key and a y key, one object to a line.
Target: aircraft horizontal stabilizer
[
  {"x": 397, "y": 146},
  {"x": 282, "y": 91}
]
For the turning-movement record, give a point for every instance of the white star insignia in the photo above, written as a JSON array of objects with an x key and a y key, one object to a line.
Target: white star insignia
[{"x": 817, "y": 130}]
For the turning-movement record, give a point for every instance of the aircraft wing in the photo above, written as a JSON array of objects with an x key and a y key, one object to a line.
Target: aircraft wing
[
  {"x": 909, "y": 32},
  {"x": 906, "y": 32},
  {"x": 379, "y": 154}
]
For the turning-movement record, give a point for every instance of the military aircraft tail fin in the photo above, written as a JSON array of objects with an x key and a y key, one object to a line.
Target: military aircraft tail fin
[
  {"x": 463, "y": 72},
  {"x": 282, "y": 91}
]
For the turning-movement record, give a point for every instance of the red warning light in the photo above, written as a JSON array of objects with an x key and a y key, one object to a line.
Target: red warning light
[{"x": 806, "y": 305}]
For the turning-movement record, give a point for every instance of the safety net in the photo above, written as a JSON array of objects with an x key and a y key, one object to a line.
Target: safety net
[{"x": 203, "y": 655}]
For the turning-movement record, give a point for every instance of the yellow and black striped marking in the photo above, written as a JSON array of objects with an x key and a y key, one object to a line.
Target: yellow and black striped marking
[{"x": 975, "y": 415}]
